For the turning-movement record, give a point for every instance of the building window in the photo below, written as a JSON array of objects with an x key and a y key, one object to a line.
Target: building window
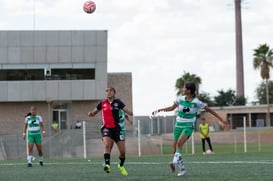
[
  {"x": 19, "y": 74},
  {"x": 72, "y": 74},
  {"x": 55, "y": 74}
]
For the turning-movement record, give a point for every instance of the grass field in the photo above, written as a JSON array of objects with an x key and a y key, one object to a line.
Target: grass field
[{"x": 217, "y": 167}]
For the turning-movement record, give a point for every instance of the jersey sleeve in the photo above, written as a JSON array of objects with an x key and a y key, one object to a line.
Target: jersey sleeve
[
  {"x": 201, "y": 105},
  {"x": 26, "y": 119},
  {"x": 40, "y": 119},
  {"x": 99, "y": 106},
  {"x": 121, "y": 105},
  {"x": 177, "y": 100}
]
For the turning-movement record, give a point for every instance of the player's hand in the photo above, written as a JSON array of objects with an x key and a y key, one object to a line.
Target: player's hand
[
  {"x": 24, "y": 137},
  {"x": 226, "y": 126},
  {"x": 90, "y": 114}
]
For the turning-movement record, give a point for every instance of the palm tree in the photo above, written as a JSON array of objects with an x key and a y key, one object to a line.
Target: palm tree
[
  {"x": 187, "y": 77},
  {"x": 263, "y": 57}
]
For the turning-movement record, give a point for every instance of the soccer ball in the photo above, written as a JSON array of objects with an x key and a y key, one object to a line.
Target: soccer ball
[
  {"x": 208, "y": 152},
  {"x": 89, "y": 7}
]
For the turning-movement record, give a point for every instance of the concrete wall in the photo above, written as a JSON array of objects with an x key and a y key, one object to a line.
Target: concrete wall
[
  {"x": 122, "y": 82},
  {"x": 23, "y": 49}
]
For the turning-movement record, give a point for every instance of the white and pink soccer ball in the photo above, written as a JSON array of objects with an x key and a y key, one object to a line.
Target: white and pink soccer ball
[
  {"x": 89, "y": 7},
  {"x": 208, "y": 152}
]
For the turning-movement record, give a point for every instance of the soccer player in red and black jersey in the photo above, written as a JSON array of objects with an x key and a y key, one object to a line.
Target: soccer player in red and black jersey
[{"x": 110, "y": 129}]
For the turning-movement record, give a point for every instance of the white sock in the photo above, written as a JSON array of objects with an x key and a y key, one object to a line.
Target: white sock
[
  {"x": 29, "y": 158},
  {"x": 41, "y": 158},
  {"x": 177, "y": 157},
  {"x": 180, "y": 164}
]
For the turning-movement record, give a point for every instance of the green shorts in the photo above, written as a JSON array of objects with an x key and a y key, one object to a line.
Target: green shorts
[
  {"x": 182, "y": 131},
  {"x": 35, "y": 138}
]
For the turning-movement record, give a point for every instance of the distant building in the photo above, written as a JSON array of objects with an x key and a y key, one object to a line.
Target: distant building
[{"x": 254, "y": 115}]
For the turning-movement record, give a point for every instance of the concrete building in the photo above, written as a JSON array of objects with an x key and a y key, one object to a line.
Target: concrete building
[{"x": 62, "y": 73}]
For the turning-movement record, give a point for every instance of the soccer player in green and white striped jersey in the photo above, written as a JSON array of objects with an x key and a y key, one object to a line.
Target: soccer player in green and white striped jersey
[
  {"x": 122, "y": 117},
  {"x": 33, "y": 127},
  {"x": 187, "y": 106}
]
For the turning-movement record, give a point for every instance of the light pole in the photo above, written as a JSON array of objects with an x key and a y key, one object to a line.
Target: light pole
[{"x": 239, "y": 50}]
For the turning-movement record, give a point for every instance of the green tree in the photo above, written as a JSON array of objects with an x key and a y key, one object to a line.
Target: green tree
[
  {"x": 240, "y": 101},
  {"x": 187, "y": 77},
  {"x": 227, "y": 98},
  {"x": 205, "y": 97},
  {"x": 261, "y": 92},
  {"x": 263, "y": 57}
]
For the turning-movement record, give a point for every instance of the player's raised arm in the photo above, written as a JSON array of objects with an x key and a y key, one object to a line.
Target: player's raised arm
[
  {"x": 166, "y": 109},
  {"x": 224, "y": 123},
  {"x": 93, "y": 112}
]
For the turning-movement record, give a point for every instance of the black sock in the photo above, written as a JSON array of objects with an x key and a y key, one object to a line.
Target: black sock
[
  {"x": 107, "y": 158},
  {"x": 122, "y": 160}
]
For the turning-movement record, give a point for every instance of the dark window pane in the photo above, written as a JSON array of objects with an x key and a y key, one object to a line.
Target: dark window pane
[
  {"x": 19, "y": 74},
  {"x": 39, "y": 74},
  {"x": 72, "y": 74}
]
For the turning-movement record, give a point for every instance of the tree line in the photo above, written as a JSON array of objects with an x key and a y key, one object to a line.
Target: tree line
[{"x": 262, "y": 60}]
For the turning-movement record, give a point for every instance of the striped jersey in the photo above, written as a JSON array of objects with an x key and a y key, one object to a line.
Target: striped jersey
[
  {"x": 33, "y": 124},
  {"x": 187, "y": 111}
]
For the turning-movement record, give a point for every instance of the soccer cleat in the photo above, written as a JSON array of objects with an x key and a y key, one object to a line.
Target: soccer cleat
[
  {"x": 29, "y": 164},
  {"x": 172, "y": 166},
  {"x": 107, "y": 168},
  {"x": 181, "y": 172},
  {"x": 41, "y": 163},
  {"x": 122, "y": 170}
]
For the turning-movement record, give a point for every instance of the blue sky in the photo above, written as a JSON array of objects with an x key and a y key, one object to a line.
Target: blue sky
[{"x": 158, "y": 40}]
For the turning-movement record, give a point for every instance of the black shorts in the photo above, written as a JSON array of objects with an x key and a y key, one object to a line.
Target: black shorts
[{"x": 114, "y": 133}]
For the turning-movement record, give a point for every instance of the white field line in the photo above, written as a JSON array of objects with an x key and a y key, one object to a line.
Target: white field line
[{"x": 269, "y": 162}]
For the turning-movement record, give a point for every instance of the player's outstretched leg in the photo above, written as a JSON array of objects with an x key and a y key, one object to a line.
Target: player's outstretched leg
[{"x": 175, "y": 160}]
